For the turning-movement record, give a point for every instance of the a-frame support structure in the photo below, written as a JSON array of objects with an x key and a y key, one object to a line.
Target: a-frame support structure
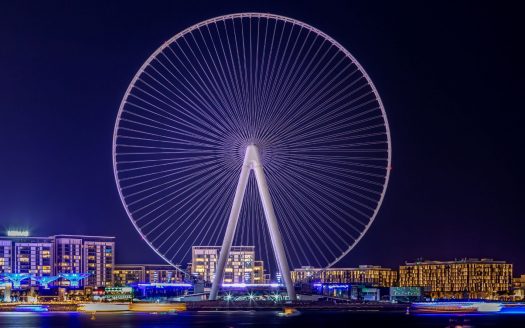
[{"x": 252, "y": 162}]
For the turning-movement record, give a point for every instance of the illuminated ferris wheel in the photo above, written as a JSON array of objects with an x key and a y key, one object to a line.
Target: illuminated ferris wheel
[{"x": 252, "y": 93}]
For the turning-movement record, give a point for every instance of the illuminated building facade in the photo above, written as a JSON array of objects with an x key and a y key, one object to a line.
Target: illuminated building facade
[
  {"x": 99, "y": 261},
  {"x": 33, "y": 256},
  {"x": 241, "y": 266},
  {"x": 128, "y": 274},
  {"x": 59, "y": 254},
  {"x": 131, "y": 274},
  {"x": 370, "y": 275},
  {"x": 518, "y": 286},
  {"x": 6, "y": 253},
  {"x": 162, "y": 273},
  {"x": 465, "y": 278}
]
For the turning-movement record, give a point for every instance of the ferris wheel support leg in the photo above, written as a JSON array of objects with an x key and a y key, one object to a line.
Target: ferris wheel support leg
[
  {"x": 230, "y": 231},
  {"x": 273, "y": 227}
]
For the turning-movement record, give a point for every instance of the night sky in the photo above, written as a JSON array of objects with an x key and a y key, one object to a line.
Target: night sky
[{"x": 451, "y": 77}]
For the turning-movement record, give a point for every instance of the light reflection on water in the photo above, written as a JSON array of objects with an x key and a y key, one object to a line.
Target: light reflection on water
[{"x": 257, "y": 319}]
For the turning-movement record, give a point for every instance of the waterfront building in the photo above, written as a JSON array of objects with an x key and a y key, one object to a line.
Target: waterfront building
[
  {"x": 518, "y": 286},
  {"x": 458, "y": 279},
  {"x": 59, "y": 254},
  {"x": 241, "y": 266},
  {"x": 6, "y": 253},
  {"x": 32, "y": 255},
  {"x": 259, "y": 277},
  {"x": 128, "y": 274},
  {"x": 99, "y": 261},
  {"x": 369, "y": 275},
  {"x": 68, "y": 254},
  {"x": 133, "y": 274},
  {"x": 519, "y": 282}
]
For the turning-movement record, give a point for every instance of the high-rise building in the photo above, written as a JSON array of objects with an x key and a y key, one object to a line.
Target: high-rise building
[
  {"x": 59, "y": 254},
  {"x": 365, "y": 274},
  {"x": 68, "y": 254},
  {"x": 465, "y": 278},
  {"x": 32, "y": 255},
  {"x": 130, "y": 274},
  {"x": 241, "y": 266},
  {"x": 6, "y": 253},
  {"x": 99, "y": 260}
]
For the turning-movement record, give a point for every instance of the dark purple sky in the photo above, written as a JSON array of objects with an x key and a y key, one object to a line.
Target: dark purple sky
[{"x": 451, "y": 77}]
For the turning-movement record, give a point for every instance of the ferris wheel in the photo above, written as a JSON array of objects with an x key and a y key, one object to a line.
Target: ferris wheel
[{"x": 252, "y": 93}]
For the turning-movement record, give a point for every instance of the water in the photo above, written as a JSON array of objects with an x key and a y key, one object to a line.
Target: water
[{"x": 239, "y": 319}]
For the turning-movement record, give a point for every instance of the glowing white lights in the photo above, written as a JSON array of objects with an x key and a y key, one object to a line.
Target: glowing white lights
[{"x": 17, "y": 233}]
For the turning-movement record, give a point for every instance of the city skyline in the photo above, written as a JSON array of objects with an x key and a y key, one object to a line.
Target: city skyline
[{"x": 447, "y": 198}]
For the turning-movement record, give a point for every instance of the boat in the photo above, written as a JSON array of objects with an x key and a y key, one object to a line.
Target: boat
[
  {"x": 103, "y": 307},
  {"x": 158, "y": 307},
  {"x": 289, "y": 312},
  {"x": 456, "y": 307},
  {"x": 31, "y": 308}
]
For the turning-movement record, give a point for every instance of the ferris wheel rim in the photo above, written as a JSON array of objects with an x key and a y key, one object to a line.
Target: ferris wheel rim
[{"x": 276, "y": 17}]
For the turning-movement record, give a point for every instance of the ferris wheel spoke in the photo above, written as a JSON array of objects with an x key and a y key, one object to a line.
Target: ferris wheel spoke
[
  {"x": 190, "y": 196},
  {"x": 273, "y": 60},
  {"x": 171, "y": 183},
  {"x": 315, "y": 179},
  {"x": 279, "y": 102},
  {"x": 208, "y": 104},
  {"x": 163, "y": 173},
  {"x": 178, "y": 178},
  {"x": 236, "y": 78},
  {"x": 347, "y": 187},
  {"x": 321, "y": 190},
  {"x": 293, "y": 95},
  {"x": 169, "y": 163},
  {"x": 221, "y": 89},
  {"x": 233, "y": 85},
  {"x": 334, "y": 211},
  {"x": 304, "y": 197},
  {"x": 218, "y": 97},
  {"x": 338, "y": 138},
  {"x": 282, "y": 70},
  {"x": 344, "y": 173},
  {"x": 309, "y": 103},
  {"x": 196, "y": 178},
  {"x": 168, "y": 127},
  {"x": 234, "y": 100},
  {"x": 165, "y": 214},
  {"x": 218, "y": 203},
  {"x": 181, "y": 97},
  {"x": 291, "y": 77},
  {"x": 215, "y": 200},
  {"x": 156, "y": 141},
  {"x": 265, "y": 62},
  {"x": 348, "y": 125},
  {"x": 160, "y": 138},
  {"x": 173, "y": 105},
  {"x": 171, "y": 131},
  {"x": 305, "y": 234},
  {"x": 335, "y": 118},
  {"x": 322, "y": 247}
]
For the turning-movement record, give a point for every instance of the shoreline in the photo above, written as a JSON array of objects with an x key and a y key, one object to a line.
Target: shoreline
[{"x": 208, "y": 306}]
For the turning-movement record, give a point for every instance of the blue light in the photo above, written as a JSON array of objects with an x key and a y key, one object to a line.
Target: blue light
[
  {"x": 16, "y": 278},
  {"x": 31, "y": 308},
  {"x": 45, "y": 280},
  {"x": 74, "y": 278}
]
